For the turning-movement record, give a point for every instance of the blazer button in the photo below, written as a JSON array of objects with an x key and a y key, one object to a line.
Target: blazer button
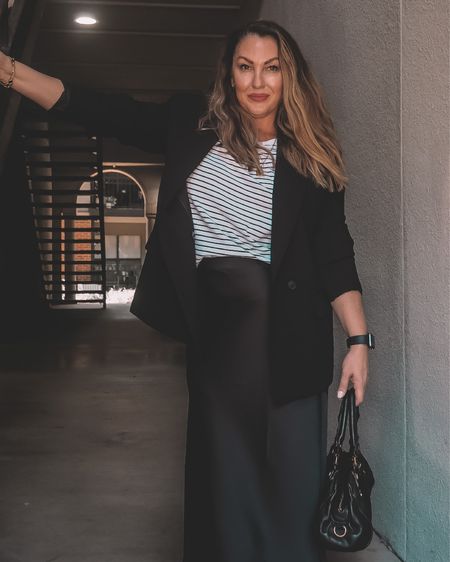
[{"x": 292, "y": 284}]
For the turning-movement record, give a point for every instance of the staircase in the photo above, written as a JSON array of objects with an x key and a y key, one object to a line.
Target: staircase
[{"x": 65, "y": 180}]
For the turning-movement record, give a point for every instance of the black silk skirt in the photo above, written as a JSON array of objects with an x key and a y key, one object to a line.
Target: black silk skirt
[{"x": 253, "y": 472}]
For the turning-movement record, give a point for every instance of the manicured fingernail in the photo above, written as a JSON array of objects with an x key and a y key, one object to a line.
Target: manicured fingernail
[{"x": 340, "y": 393}]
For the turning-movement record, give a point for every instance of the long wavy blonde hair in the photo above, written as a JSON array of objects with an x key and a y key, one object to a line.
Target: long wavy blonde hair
[{"x": 305, "y": 130}]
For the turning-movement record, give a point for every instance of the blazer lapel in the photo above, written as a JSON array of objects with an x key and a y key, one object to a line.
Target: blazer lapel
[
  {"x": 288, "y": 192},
  {"x": 192, "y": 147}
]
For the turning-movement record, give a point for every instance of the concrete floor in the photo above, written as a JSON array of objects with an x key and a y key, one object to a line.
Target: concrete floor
[{"x": 92, "y": 429}]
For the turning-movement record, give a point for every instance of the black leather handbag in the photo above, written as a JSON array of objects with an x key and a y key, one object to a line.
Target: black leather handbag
[{"x": 345, "y": 511}]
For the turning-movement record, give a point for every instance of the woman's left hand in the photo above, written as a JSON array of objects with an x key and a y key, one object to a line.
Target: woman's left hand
[{"x": 355, "y": 367}]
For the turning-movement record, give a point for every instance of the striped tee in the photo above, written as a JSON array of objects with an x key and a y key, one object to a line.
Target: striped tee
[{"x": 231, "y": 206}]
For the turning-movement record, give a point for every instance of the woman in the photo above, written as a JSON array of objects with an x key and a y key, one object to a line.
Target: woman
[{"x": 270, "y": 258}]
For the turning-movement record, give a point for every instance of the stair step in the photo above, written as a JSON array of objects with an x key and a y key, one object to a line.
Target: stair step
[
  {"x": 52, "y": 149},
  {"x": 70, "y": 301},
  {"x": 73, "y": 292},
  {"x": 68, "y": 217},
  {"x": 61, "y": 178},
  {"x": 61, "y": 164},
  {"x": 69, "y": 240},
  {"x": 67, "y": 229},
  {"x": 63, "y": 205},
  {"x": 38, "y": 191},
  {"x": 70, "y": 283},
  {"x": 71, "y": 262},
  {"x": 59, "y": 283},
  {"x": 61, "y": 292},
  {"x": 59, "y": 252},
  {"x": 35, "y": 134},
  {"x": 71, "y": 277},
  {"x": 58, "y": 291},
  {"x": 72, "y": 246},
  {"x": 71, "y": 273}
]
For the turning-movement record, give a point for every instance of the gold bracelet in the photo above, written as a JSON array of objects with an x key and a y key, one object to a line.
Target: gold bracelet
[{"x": 13, "y": 72}]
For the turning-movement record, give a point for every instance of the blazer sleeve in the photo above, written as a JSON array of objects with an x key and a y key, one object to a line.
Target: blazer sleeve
[
  {"x": 334, "y": 248},
  {"x": 136, "y": 123}
]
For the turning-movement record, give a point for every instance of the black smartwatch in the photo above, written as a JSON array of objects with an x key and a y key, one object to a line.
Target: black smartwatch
[{"x": 368, "y": 339}]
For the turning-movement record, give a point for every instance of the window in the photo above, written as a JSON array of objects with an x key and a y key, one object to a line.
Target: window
[
  {"x": 122, "y": 196},
  {"x": 123, "y": 260}
]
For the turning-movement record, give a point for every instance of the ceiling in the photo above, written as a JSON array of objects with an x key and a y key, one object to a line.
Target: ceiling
[{"x": 148, "y": 49}]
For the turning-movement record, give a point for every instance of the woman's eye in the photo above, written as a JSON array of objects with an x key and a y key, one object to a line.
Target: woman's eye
[{"x": 272, "y": 67}]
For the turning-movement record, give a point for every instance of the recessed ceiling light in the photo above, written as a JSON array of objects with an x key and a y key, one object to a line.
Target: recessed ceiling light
[{"x": 86, "y": 20}]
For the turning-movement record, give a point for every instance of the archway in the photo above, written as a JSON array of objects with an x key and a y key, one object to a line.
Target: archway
[{"x": 126, "y": 231}]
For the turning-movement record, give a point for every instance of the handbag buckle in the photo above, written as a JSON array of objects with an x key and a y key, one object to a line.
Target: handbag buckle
[{"x": 355, "y": 461}]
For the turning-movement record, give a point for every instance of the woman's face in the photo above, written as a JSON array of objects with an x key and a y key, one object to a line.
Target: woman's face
[{"x": 257, "y": 76}]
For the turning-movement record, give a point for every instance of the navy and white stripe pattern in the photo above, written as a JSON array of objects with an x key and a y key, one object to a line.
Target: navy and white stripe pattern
[{"x": 232, "y": 207}]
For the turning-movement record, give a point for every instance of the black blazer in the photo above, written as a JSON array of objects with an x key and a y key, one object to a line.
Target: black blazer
[{"x": 312, "y": 255}]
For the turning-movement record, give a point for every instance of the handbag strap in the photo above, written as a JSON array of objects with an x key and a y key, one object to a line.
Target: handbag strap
[
  {"x": 342, "y": 423},
  {"x": 353, "y": 421},
  {"x": 348, "y": 413}
]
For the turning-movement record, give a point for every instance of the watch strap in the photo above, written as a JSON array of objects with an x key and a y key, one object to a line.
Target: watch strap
[{"x": 368, "y": 339}]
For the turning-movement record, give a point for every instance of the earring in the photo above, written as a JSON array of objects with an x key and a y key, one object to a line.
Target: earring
[{"x": 232, "y": 83}]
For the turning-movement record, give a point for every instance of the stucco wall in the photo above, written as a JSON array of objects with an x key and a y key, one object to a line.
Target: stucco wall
[{"x": 384, "y": 67}]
